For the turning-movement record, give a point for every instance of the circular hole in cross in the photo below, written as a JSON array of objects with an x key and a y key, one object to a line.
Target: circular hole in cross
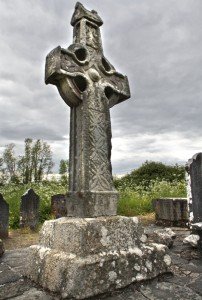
[
  {"x": 80, "y": 82},
  {"x": 106, "y": 65},
  {"x": 109, "y": 92},
  {"x": 81, "y": 54}
]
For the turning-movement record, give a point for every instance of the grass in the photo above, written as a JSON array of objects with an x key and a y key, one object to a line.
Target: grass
[
  {"x": 138, "y": 201},
  {"x": 12, "y": 194},
  {"x": 133, "y": 201}
]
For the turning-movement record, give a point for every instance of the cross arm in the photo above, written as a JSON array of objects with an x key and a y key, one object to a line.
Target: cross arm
[
  {"x": 116, "y": 88},
  {"x": 64, "y": 70}
]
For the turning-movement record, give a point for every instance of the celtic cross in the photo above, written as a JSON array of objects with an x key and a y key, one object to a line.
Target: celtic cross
[{"x": 90, "y": 85}]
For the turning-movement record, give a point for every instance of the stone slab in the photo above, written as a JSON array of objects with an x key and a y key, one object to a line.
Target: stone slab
[
  {"x": 29, "y": 209},
  {"x": 171, "y": 211}
]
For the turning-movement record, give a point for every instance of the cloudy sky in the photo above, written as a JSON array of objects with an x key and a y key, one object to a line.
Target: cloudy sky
[{"x": 156, "y": 43}]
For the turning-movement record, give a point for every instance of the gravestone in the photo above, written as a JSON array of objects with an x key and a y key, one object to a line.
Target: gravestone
[
  {"x": 58, "y": 206},
  {"x": 171, "y": 211},
  {"x": 4, "y": 217},
  {"x": 92, "y": 251},
  {"x": 29, "y": 210},
  {"x": 194, "y": 191}
]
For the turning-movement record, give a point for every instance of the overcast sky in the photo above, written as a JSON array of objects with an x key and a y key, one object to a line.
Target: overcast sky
[{"x": 156, "y": 43}]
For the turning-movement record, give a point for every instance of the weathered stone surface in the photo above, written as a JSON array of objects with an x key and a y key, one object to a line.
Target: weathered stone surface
[
  {"x": 4, "y": 217},
  {"x": 192, "y": 239},
  {"x": 34, "y": 294},
  {"x": 58, "y": 206},
  {"x": 1, "y": 248},
  {"x": 91, "y": 235},
  {"x": 186, "y": 268},
  {"x": 171, "y": 211},
  {"x": 90, "y": 85},
  {"x": 194, "y": 170},
  {"x": 29, "y": 209},
  {"x": 163, "y": 236},
  {"x": 194, "y": 188},
  {"x": 103, "y": 253},
  {"x": 166, "y": 290}
]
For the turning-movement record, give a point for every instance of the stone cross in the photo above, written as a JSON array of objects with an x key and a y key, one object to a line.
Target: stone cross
[
  {"x": 90, "y": 85},
  {"x": 4, "y": 217}
]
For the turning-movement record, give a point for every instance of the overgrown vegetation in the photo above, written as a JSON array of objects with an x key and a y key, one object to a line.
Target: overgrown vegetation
[
  {"x": 137, "y": 190},
  {"x": 152, "y": 180}
]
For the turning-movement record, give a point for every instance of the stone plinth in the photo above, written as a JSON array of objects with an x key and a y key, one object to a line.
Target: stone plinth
[
  {"x": 171, "y": 211},
  {"x": 79, "y": 257}
]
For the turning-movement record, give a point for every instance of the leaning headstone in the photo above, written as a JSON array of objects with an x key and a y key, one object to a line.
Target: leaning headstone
[
  {"x": 29, "y": 210},
  {"x": 194, "y": 194},
  {"x": 92, "y": 251},
  {"x": 58, "y": 206},
  {"x": 4, "y": 217},
  {"x": 171, "y": 211}
]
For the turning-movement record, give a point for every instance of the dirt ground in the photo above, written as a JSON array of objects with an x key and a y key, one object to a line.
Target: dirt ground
[{"x": 21, "y": 238}]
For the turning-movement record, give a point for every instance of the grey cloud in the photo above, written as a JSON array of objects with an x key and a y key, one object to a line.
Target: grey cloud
[{"x": 158, "y": 44}]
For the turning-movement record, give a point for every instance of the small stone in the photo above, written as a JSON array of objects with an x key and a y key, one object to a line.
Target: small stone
[
  {"x": 164, "y": 236},
  {"x": 192, "y": 239}
]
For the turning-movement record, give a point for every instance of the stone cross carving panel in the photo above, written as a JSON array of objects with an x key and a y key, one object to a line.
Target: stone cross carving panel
[{"x": 90, "y": 85}]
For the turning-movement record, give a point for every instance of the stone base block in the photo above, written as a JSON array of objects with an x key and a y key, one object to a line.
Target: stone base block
[
  {"x": 91, "y": 204},
  {"x": 171, "y": 211},
  {"x": 80, "y": 258}
]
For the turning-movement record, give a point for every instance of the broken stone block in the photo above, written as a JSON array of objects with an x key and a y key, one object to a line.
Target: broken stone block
[
  {"x": 163, "y": 236},
  {"x": 171, "y": 211},
  {"x": 192, "y": 240}
]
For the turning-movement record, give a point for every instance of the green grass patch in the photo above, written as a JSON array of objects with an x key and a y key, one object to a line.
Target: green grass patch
[
  {"x": 12, "y": 194},
  {"x": 138, "y": 200}
]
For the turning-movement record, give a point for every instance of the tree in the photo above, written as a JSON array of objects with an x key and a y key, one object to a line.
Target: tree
[
  {"x": 36, "y": 161},
  {"x": 10, "y": 161},
  {"x": 151, "y": 171},
  {"x": 63, "y": 167}
]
